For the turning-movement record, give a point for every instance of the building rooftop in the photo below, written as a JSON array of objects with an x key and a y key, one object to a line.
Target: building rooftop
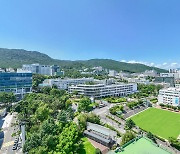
[
  {"x": 101, "y": 129},
  {"x": 97, "y": 136},
  {"x": 170, "y": 89}
]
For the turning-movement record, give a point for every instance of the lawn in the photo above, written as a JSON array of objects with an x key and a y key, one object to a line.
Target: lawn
[
  {"x": 143, "y": 146},
  {"x": 160, "y": 122},
  {"x": 87, "y": 147}
]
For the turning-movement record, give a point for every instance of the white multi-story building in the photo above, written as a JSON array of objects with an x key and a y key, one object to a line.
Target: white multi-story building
[
  {"x": 173, "y": 70},
  {"x": 175, "y": 75},
  {"x": 152, "y": 73},
  {"x": 65, "y": 83},
  {"x": 112, "y": 73},
  {"x": 172, "y": 73},
  {"x": 169, "y": 96},
  {"x": 40, "y": 69},
  {"x": 98, "y": 68},
  {"x": 102, "y": 90},
  {"x": 138, "y": 80}
]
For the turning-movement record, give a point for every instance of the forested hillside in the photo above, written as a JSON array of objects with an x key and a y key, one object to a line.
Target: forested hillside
[{"x": 16, "y": 57}]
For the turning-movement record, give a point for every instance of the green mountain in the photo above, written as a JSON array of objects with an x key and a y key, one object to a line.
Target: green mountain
[{"x": 17, "y": 57}]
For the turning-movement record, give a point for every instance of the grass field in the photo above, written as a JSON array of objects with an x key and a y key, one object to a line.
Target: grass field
[
  {"x": 87, "y": 147},
  {"x": 160, "y": 122},
  {"x": 143, "y": 146}
]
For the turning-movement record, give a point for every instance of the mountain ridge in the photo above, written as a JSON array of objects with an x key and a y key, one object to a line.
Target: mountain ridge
[{"x": 17, "y": 57}]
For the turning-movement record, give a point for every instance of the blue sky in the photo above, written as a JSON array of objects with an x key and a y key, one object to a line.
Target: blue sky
[{"x": 129, "y": 30}]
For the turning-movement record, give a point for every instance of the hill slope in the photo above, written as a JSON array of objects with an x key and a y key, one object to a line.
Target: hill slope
[{"x": 16, "y": 57}]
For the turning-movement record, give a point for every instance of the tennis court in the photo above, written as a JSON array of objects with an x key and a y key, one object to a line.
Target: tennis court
[{"x": 143, "y": 146}]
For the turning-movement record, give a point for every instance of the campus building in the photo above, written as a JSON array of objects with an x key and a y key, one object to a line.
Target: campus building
[
  {"x": 18, "y": 83},
  {"x": 169, "y": 80},
  {"x": 169, "y": 96},
  {"x": 100, "y": 134},
  {"x": 102, "y": 90},
  {"x": 151, "y": 73},
  {"x": 41, "y": 69},
  {"x": 112, "y": 73},
  {"x": 65, "y": 83}
]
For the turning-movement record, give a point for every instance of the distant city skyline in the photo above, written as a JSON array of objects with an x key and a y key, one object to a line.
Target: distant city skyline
[{"x": 130, "y": 31}]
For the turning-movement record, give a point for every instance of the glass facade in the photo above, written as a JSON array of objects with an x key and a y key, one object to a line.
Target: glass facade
[{"x": 18, "y": 83}]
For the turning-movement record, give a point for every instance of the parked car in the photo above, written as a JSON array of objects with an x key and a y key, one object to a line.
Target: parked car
[
  {"x": 16, "y": 140},
  {"x": 14, "y": 147}
]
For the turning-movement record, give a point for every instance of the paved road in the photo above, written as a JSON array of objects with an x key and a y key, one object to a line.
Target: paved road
[
  {"x": 8, "y": 131},
  {"x": 112, "y": 123},
  {"x": 102, "y": 112}
]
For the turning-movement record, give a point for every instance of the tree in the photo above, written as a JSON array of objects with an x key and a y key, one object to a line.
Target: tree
[
  {"x": 129, "y": 124},
  {"x": 7, "y": 98},
  {"x": 69, "y": 139},
  {"x": 46, "y": 90},
  {"x": 98, "y": 151},
  {"x": 84, "y": 104},
  {"x": 39, "y": 150},
  {"x": 174, "y": 142},
  {"x": 57, "y": 92},
  {"x": 48, "y": 127},
  {"x": 151, "y": 136},
  {"x": 54, "y": 86},
  {"x": 37, "y": 79},
  {"x": 83, "y": 118},
  {"x": 42, "y": 113},
  {"x": 33, "y": 141},
  {"x": 65, "y": 115},
  {"x": 128, "y": 136},
  {"x": 46, "y": 133},
  {"x": 75, "y": 92},
  {"x": 113, "y": 110},
  {"x": 93, "y": 118}
]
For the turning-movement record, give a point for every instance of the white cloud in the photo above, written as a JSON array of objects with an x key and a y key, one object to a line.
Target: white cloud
[
  {"x": 164, "y": 65},
  {"x": 123, "y": 60}
]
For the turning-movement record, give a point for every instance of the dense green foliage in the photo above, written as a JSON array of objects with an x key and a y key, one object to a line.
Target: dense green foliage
[
  {"x": 151, "y": 136},
  {"x": 174, "y": 142},
  {"x": 175, "y": 108},
  {"x": 118, "y": 108},
  {"x": 87, "y": 117},
  {"x": 37, "y": 79},
  {"x": 146, "y": 91},
  {"x": 17, "y": 57},
  {"x": 154, "y": 100},
  {"x": 115, "y": 100},
  {"x": 6, "y": 98},
  {"x": 133, "y": 104},
  {"x": 128, "y": 136},
  {"x": 129, "y": 124},
  {"x": 84, "y": 104},
  {"x": 49, "y": 123}
]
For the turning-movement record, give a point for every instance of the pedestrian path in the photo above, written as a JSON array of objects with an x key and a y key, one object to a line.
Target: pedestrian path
[{"x": 7, "y": 144}]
